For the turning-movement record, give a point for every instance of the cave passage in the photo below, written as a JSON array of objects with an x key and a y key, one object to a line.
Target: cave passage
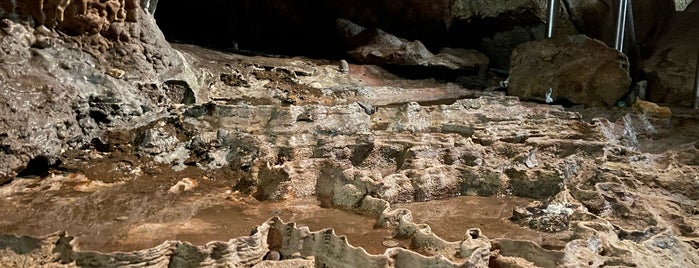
[
  {"x": 307, "y": 27},
  {"x": 270, "y": 27}
]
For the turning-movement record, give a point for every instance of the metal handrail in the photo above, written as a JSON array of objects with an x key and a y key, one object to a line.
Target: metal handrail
[
  {"x": 621, "y": 25},
  {"x": 696, "y": 84},
  {"x": 551, "y": 18}
]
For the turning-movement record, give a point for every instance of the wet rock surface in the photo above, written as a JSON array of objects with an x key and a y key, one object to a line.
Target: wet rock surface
[{"x": 232, "y": 160}]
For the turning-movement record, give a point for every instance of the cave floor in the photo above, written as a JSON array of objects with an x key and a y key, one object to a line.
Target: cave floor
[
  {"x": 621, "y": 167},
  {"x": 139, "y": 214}
]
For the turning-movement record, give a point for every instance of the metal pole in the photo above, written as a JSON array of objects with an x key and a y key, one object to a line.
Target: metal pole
[
  {"x": 551, "y": 19},
  {"x": 634, "y": 50},
  {"x": 621, "y": 25},
  {"x": 696, "y": 84},
  {"x": 631, "y": 29}
]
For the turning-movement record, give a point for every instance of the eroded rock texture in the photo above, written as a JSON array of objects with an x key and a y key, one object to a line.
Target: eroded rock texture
[
  {"x": 283, "y": 129},
  {"x": 125, "y": 154},
  {"x": 68, "y": 85}
]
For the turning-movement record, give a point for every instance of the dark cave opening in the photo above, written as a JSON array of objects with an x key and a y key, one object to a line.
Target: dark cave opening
[
  {"x": 264, "y": 27},
  {"x": 37, "y": 167},
  {"x": 308, "y": 28}
]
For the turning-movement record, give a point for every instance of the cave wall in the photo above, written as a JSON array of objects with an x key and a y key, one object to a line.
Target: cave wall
[
  {"x": 298, "y": 27},
  {"x": 73, "y": 17},
  {"x": 289, "y": 27},
  {"x": 120, "y": 33},
  {"x": 76, "y": 57},
  {"x": 596, "y": 19}
]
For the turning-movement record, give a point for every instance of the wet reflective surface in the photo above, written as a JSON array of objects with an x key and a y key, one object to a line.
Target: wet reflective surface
[
  {"x": 142, "y": 213},
  {"x": 450, "y": 219}
]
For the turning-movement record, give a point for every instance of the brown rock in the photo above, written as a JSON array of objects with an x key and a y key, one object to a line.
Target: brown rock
[
  {"x": 652, "y": 109},
  {"x": 577, "y": 68},
  {"x": 116, "y": 73},
  {"x": 273, "y": 256},
  {"x": 390, "y": 243},
  {"x": 39, "y": 61}
]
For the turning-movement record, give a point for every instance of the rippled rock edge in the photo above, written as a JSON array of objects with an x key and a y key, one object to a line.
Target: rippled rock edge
[{"x": 597, "y": 244}]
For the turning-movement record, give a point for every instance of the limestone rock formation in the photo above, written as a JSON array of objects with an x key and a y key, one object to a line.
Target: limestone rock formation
[
  {"x": 125, "y": 142},
  {"x": 577, "y": 69},
  {"x": 298, "y": 246},
  {"x": 67, "y": 77},
  {"x": 374, "y": 46},
  {"x": 586, "y": 173}
]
